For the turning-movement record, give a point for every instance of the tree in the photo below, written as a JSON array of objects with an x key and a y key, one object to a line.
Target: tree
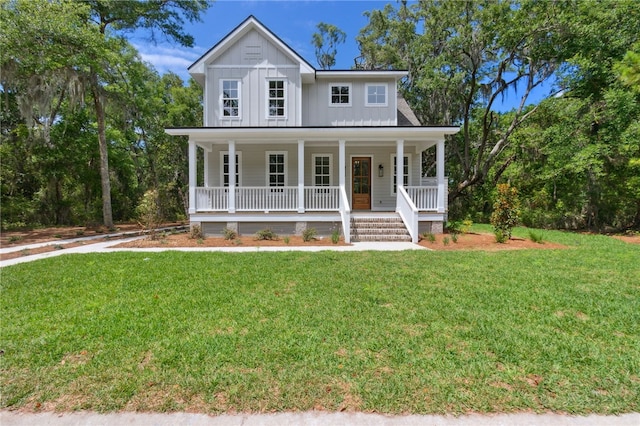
[
  {"x": 325, "y": 41},
  {"x": 52, "y": 50}
]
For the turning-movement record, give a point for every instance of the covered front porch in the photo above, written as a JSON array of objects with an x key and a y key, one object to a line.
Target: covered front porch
[{"x": 307, "y": 175}]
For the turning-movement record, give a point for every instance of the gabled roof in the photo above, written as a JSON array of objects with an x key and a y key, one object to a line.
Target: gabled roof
[{"x": 197, "y": 69}]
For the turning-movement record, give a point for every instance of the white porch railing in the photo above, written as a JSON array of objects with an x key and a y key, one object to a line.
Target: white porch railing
[
  {"x": 424, "y": 197},
  {"x": 408, "y": 212},
  {"x": 280, "y": 198},
  {"x": 212, "y": 199},
  {"x": 345, "y": 215},
  {"x": 321, "y": 198}
]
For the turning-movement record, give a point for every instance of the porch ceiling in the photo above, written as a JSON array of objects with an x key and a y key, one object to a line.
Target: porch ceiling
[{"x": 317, "y": 134}]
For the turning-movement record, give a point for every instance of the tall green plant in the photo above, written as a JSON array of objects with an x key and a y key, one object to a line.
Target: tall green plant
[{"x": 506, "y": 211}]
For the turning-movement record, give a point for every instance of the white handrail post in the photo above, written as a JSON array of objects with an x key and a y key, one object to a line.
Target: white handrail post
[
  {"x": 192, "y": 176},
  {"x": 300, "y": 176},
  {"x": 440, "y": 175},
  {"x": 232, "y": 177}
]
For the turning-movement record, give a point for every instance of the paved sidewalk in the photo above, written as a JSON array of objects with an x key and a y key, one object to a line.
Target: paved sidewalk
[{"x": 309, "y": 419}]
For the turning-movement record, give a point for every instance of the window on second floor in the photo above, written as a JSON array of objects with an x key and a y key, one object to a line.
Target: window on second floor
[
  {"x": 376, "y": 95},
  {"x": 276, "y": 99},
  {"x": 230, "y": 98},
  {"x": 340, "y": 95}
]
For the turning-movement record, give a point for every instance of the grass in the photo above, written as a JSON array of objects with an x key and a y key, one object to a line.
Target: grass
[{"x": 418, "y": 332}]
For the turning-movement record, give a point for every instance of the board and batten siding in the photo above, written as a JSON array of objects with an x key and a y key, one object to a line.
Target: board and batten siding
[
  {"x": 317, "y": 111},
  {"x": 253, "y": 60}
]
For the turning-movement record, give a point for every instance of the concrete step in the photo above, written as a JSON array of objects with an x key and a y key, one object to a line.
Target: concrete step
[{"x": 372, "y": 228}]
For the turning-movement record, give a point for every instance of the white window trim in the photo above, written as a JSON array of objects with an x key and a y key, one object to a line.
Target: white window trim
[
  {"x": 313, "y": 165},
  {"x": 286, "y": 167},
  {"x": 238, "y": 172},
  {"x": 332, "y": 85},
  {"x": 386, "y": 95},
  {"x": 392, "y": 174},
  {"x": 221, "y": 99},
  {"x": 266, "y": 101}
]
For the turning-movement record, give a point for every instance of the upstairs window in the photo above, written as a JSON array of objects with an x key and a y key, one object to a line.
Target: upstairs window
[
  {"x": 276, "y": 99},
  {"x": 376, "y": 95},
  {"x": 230, "y": 90},
  {"x": 340, "y": 95}
]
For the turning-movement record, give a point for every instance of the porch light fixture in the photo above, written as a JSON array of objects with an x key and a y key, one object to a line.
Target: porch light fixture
[{"x": 380, "y": 170}]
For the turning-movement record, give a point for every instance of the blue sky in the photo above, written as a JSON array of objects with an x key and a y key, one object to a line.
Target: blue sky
[{"x": 294, "y": 21}]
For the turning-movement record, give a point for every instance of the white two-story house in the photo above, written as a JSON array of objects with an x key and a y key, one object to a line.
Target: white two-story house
[{"x": 287, "y": 146}]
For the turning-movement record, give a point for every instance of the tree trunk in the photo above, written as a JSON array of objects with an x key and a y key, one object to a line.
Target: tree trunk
[{"x": 107, "y": 215}]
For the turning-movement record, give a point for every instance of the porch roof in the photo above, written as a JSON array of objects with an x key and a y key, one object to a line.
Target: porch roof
[{"x": 358, "y": 133}]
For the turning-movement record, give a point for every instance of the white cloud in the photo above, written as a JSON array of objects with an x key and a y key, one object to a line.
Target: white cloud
[{"x": 165, "y": 58}]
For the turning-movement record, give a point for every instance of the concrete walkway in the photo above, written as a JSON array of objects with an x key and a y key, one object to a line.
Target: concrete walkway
[
  {"x": 107, "y": 247},
  {"x": 312, "y": 418}
]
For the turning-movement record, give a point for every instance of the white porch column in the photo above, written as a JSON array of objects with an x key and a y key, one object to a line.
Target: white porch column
[
  {"x": 399, "y": 163},
  {"x": 300, "y": 176},
  {"x": 193, "y": 158},
  {"x": 232, "y": 177},
  {"x": 440, "y": 177},
  {"x": 341, "y": 163},
  {"x": 206, "y": 167}
]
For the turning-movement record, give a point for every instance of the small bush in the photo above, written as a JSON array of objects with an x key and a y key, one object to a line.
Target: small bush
[
  {"x": 286, "y": 239},
  {"x": 501, "y": 237},
  {"x": 266, "y": 234},
  {"x": 445, "y": 241},
  {"x": 14, "y": 238},
  {"x": 80, "y": 233},
  {"x": 429, "y": 237},
  {"x": 58, "y": 247},
  {"x": 506, "y": 211},
  {"x": 229, "y": 234},
  {"x": 454, "y": 238},
  {"x": 309, "y": 234},
  {"x": 466, "y": 226},
  {"x": 536, "y": 237},
  {"x": 148, "y": 212},
  {"x": 196, "y": 232},
  {"x": 335, "y": 236},
  {"x": 454, "y": 227},
  {"x": 200, "y": 241}
]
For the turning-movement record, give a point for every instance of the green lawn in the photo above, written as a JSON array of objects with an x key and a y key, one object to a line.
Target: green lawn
[{"x": 393, "y": 332}]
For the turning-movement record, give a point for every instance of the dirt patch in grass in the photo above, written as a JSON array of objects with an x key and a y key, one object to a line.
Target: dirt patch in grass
[
  {"x": 631, "y": 239},
  {"x": 185, "y": 240},
  {"x": 486, "y": 242}
]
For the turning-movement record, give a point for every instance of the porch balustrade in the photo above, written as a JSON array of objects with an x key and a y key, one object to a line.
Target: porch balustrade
[{"x": 285, "y": 198}]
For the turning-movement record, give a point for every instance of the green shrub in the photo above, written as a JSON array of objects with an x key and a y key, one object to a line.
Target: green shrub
[
  {"x": 14, "y": 238},
  {"x": 196, "y": 232},
  {"x": 429, "y": 237},
  {"x": 466, "y": 226},
  {"x": 501, "y": 237},
  {"x": 266, "y": 234},
  {"x": 229, "y": 234},
  {"x": 335, "y": 236},
  {"x": 454, "y": 237},
  {"x": 506, "y": 211},
  {"x": 536, "y": 237},
  {"x": 445, "y": 241},
  {"x": 286, "y": 239},
  {"x": 454, "y": 227},
  {"x": 309, "y": 234},
  {"x": 148, "y": 212}
]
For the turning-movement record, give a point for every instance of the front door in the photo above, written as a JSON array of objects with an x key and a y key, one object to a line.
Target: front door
[{"x": 361, "y": 183}]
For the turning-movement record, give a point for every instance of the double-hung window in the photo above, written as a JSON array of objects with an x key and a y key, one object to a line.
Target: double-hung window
[
  {"x": 406, "y": 172},
  {"x": 322, "y": 169},
  {"x": 230, "y": 98},
  {"x": 276, "y": 99},
  {"x": 376, "y": 95},
  {"x": 340, "y": 95},
  {"x": 276, "y": 168},
  {"x": 224, "y": 169}
]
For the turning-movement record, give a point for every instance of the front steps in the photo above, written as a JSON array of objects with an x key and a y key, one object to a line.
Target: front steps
[{"x": 387, "y": 227}]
